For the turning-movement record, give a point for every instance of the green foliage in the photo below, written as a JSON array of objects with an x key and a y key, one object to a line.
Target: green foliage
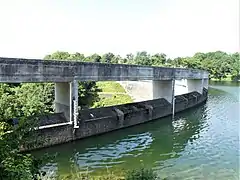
[
  {"x": 61, "y": 55},
  {"x": 143, "y": 58},
  {"x": 87, "y": 93},
  {"x": 137, "y": 174},
  {"x": 35, "y": 98},
  {"x": 141, "y": 174},
  {"x": 20, "y": 101},
  {"x": 112, "y": 94},
  {"x": 15, "y": 165},
  {"x": 87, "y": 176},
  {"x": 114, "y": 99},
  {"x": 110, "y": 86},
  {"x": 25, "y": 100}
]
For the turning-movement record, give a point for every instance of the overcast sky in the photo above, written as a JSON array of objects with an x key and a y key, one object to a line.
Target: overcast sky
[{"x": 34, "y": 28}]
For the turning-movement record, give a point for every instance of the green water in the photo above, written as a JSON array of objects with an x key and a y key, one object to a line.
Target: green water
[{"x": 202, "y": 143}]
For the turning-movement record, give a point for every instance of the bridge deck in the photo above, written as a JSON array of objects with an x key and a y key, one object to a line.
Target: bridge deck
[{"x": 14, "y": 70}]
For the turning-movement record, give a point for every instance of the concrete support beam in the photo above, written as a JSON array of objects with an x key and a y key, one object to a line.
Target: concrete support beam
[
  {"x": 66, "y": 99},
  {"x": 195, "y": 85}
]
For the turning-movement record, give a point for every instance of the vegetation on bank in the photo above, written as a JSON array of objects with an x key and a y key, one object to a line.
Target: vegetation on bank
[
  {"x": 110, "y": 87},
  {"x": 136, "y": 174},
  {"x": 112, "y": 93}
]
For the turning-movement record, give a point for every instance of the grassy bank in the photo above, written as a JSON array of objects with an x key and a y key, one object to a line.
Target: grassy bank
[
  {"x": 110, "y": 86},
  {"x": 112, "y": 94}
]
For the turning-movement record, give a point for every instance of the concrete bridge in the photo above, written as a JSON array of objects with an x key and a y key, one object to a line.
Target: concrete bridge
[{"x": 66, "y": 74}]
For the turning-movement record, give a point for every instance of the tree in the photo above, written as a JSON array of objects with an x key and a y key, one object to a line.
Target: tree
[
  {"x": 14, "y": 164},
  {"x": 108, "y": 58},
  {"x": 59, "y": 55},
  {"x": 35, "y": 98},
  {"x": 129, "y": 58},
  {"x": 235, "y": 71},
  {"x": 158, "y": 59},
  {"x": 95, "y": 58},
  {"x": 142, "y": 58}
]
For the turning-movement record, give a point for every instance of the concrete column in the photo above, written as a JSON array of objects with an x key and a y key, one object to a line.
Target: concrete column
[
  {"x": 163, "y": 89},
  {"x": 205, "y": 83},
  {"x": 195, "y": 85},
  {"x": 66, "y": 95},
  {"x": 62, "y": 99}
]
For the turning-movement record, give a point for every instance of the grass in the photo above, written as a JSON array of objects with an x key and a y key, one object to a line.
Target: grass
[
  {"x": 112, "y": 94},
  {"x": 110, "y": 86},
  {"x": 114, "y": 99}
]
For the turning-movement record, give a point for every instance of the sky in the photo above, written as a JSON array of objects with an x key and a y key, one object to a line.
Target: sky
[{"x": 35, "y": 28}]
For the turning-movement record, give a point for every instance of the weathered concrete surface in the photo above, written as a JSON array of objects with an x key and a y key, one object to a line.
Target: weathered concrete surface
[
  {"x": 102, "y": 120},
  {"x": 13, "y": 70}
]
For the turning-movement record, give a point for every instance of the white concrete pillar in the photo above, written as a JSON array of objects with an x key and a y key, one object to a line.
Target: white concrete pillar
[
  {"x": 163, "y": 89},
  {"x": 62, "y": 99},
  {"x": 65, "y": 94},
  {"x": 195, "y": 85}
]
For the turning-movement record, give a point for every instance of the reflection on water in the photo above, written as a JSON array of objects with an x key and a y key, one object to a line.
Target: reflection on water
[
  {"x": 201, "y": 143},
  {"x": 112, "y": 153}
]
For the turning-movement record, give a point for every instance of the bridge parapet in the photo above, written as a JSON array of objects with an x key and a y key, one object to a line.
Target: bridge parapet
[{"x": 14, "y": 70}]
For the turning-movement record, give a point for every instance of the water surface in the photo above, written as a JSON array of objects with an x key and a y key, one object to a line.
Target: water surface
[{"x": 201, "y": 143}]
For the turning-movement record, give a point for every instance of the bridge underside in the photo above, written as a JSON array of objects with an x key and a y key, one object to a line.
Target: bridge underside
[{"x": 66, "y": 94}]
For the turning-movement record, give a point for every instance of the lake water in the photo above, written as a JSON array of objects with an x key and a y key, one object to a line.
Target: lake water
[{"x": 201, "y": 143}]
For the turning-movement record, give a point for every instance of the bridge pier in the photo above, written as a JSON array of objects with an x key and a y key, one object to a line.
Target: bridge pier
[{"x": 66, "y": 100}]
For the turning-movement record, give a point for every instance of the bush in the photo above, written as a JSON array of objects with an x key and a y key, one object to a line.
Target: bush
[
  {"x": 13, "y": 163},
  {"x": 141, "y": 174}
]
